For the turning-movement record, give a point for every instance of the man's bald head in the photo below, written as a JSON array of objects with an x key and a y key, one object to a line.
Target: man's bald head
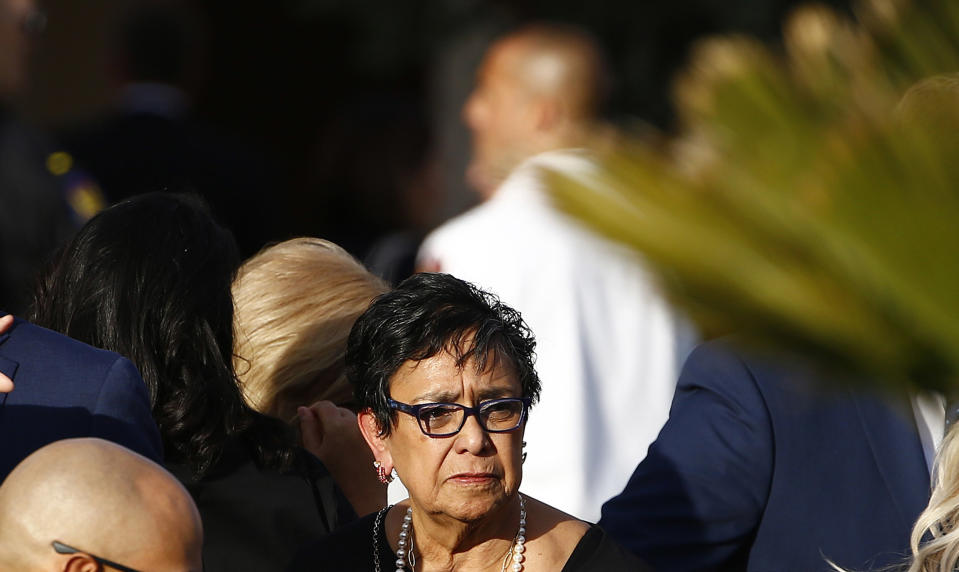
[
  {"x": 559, "y": 62},
  {"x": 539, "y": 88},
  {"x": 102, "y": 499}
]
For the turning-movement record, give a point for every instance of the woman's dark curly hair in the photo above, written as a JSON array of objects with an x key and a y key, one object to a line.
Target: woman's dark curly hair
[
  {"x": 149, "y": 278},
  {"x": 426, "y": 314}
]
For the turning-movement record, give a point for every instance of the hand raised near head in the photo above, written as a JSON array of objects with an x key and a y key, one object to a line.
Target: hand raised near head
[
  {"x": 332, "y": 434},
  {"x": 6, "y": 384}
]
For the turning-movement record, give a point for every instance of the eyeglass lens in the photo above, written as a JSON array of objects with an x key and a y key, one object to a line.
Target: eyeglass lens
[{"x": 499, "y": 415}]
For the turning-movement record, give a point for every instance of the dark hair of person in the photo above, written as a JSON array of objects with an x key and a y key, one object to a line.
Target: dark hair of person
[
  {"x": 427, "y": 314},
  {"x": 149, "y": 278}
]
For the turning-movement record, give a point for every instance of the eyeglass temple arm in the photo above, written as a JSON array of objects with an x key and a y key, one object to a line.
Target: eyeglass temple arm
[{"x": 62, "y": 548}]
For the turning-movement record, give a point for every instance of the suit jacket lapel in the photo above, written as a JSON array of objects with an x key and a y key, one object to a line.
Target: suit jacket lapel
[{"x": 897, "y": 449}]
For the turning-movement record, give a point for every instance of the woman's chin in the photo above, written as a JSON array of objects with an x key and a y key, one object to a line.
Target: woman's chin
[{"x": 471, "y": 502}]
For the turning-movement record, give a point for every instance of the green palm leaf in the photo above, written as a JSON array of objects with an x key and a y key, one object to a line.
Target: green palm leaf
[{"x": 798, "y": 207}]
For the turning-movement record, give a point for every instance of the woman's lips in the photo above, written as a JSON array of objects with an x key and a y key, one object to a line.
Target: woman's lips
[{"x": 473, "y": 478}]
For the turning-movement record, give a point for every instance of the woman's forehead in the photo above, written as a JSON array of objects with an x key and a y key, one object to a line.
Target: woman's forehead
[{"x": 441, "y": 374}]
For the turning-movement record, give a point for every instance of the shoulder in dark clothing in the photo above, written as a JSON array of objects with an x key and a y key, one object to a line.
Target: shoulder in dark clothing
[
  {"x": 349, "y": 549},
  {"x": 255, "y": 518},
  {"x": 597, "y": 552}
]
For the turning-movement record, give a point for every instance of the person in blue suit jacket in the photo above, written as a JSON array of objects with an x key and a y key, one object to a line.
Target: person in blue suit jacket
[
  {"x": 757, "y": 468},
  {"x": 62, "y": 388}
]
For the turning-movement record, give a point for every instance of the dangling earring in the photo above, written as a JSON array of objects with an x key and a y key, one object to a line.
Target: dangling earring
[
  {"x": 524, "y": 452},
  {"x": 381, "y": 474}
]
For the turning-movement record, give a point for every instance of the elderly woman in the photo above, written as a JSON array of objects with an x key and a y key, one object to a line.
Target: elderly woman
[{"x": 444, "y": 375}]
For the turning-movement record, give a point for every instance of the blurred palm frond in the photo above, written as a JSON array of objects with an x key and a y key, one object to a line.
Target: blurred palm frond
[{"x": 800, "y": 206}]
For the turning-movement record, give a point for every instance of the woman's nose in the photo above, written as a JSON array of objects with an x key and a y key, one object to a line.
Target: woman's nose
[{"x": 472, "y": 437}]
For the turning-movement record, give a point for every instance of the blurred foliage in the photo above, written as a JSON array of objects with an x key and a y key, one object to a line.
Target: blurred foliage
[{"x": 803, "y": 206}]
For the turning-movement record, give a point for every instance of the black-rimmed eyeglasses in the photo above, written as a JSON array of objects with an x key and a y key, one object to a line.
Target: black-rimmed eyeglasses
[
  {"x": 445, "y": 419},
  {"x": 62, "y": 548}
]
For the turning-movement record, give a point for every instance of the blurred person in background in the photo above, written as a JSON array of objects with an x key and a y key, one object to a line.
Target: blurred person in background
[
  {"x": 151, "y": 140},
  {"x": 295, "y": 304},
  {"x": 39, "y": 209},
  {"x": 150, "y": 279},
  {"x": 763, "y": 466},
  {"x": 768, "y": 463},
  {"x": 932, "y": 104},
  {"x": 86, "y": 505},
  {"x": 609, "y": 345}
]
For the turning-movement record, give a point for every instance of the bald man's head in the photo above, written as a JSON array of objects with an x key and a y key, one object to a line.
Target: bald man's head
[
  {"x": 103, "y": 500},
  {"x": 539, "y": 88}
]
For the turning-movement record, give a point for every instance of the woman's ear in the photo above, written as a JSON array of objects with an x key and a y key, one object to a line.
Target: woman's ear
[{"x": 370, "y": 428}]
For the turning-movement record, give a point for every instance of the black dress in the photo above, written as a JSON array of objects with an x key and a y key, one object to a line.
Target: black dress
[
  {"x": 350, "y": 549},
  {"x": 256, "y": 518}
]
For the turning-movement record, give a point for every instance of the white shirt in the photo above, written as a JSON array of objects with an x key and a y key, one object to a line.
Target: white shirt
[
  {"x": 608, "y": 346},
  {"x": 929, "y": 409}
]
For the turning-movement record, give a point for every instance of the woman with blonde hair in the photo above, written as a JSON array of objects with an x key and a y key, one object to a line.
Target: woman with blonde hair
[
  {"x": 295, "y": 304},
  {"x": 939, "y": 522}
]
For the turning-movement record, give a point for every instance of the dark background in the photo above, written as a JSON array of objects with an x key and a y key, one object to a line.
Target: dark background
[{"x": 353, "y": 106}]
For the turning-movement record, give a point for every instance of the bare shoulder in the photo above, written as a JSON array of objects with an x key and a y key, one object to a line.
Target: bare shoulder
[
  {"x": 553, "y": 520},
  {"x": 551, "y": 536}
]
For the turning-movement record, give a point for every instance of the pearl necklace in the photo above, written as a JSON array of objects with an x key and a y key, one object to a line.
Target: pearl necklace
[
  {"x": 518, "y": 548},
  {"x": 517, "y": 551}
]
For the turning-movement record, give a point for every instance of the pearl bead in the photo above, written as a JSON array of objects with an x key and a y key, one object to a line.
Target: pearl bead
[
  {"x": 518, "y": 557},
  {"x": 520, "y": 548},
  {"x": 400, "y": 563},
  {"x": 522, "y": 531},
  {"x": 520, "y": 539},
  {"x": 404, "y": 534},
  {"x": 517, "y": 567}
]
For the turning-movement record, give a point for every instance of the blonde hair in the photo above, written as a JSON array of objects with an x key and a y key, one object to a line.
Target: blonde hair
[
  {"x": 295, "y": 304},
  {"x": 940, "y": 553}
]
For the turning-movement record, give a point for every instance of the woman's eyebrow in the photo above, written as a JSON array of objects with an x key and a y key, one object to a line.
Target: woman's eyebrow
[
  {"x": 445, "y": 396},
  {"x": 495, "y": 393},
  {"x": 439, "y": 396}
]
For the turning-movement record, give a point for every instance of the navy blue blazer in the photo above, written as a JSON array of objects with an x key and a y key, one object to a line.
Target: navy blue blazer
[
  {"x": 64, "y": 388},
  {"x": 758, "y": 469}
]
